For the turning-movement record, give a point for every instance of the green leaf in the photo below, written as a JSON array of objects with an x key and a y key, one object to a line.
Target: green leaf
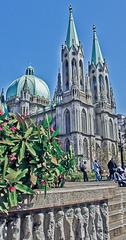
[
  {"x": 28, "y": 132},
  {"x": 15, "y": 148},
  {"x": 30, "y": 149},
  {"x": 21, "y": 122},
  {"x": 5, "y": 166},
  {"x": 22, "y": 152},
  {"x": 3, "y": 184},
  {"x": 61, "y": 168},
  {"x": 21, "y": 175},
  {"x": 56, "y": 132},
  {"x": 7, "y": 142},
  {"x": 46, "y": 123},
  {"x": 13, "y": 198},
  {"x": 24, "y": 188}
]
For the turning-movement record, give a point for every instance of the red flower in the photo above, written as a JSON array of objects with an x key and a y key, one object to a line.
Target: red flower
[
  {"x": 1, "y": 129},
  {"x": 52, "y": 130},
  {"x": 12, "y": 189},
  {"x": 13, "y": 128},
  {"x": 12, "y": 157},
  {"x": 1, "y": 113},
  {"x": 43, "y": 183}
]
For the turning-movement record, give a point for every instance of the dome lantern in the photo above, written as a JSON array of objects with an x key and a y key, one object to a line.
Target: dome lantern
[{"x": 29, "y": 70}]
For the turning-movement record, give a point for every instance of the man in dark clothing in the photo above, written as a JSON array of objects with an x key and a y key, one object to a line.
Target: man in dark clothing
[
  {"x": 83, "y": 168},
  {"x": 112, "y": 167}
]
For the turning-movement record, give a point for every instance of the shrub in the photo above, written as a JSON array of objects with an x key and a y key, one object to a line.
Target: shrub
[{"x": 30, "y": 158}]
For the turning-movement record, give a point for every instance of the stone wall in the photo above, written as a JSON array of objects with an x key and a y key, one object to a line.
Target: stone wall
[
  {"x": 77, "y": 212},
  {"x": 117, "y": 214}
]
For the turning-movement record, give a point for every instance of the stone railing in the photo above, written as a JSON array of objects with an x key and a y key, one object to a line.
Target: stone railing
[{"x": 77, "y": 212}]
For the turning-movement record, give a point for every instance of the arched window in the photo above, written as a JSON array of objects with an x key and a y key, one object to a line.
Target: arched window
[
  {"x": 98, "y": 152},
  {"x": 67, "y": 145},
  {"x": 94, "y": 88},
  {"x": 101, "y": 83},
  {"x": 66, "y": 75},
  {"x": 84, "y": 121},
  {"x": 113, "y": 150},
  {"x": 90, "y": 123},
  {"x": 74, "y": 70},
  {"x": 81, "y": 75},
  {"x": 115, "y": 130},
  {"x": 67, "y": 121},
  {"x": 75, "y": 145},
  {"x": 107, "y": 86},
  {"x": 85, "y": 149},
  {"x": 111, "y": 129}
]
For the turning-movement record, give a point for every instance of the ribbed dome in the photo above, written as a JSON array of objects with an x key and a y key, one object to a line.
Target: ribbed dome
[{"x": 35, "y": 85}]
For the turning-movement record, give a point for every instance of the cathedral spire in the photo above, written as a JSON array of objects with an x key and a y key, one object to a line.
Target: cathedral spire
[
  {"x": 96, "y": 50},
  {"x": 72, "y": 38}
]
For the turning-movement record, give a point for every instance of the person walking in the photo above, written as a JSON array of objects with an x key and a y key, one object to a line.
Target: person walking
[
  {"x": 83, "y": 168},
  {"x": 96, "y": 169},
  {"x": 112, "y": 166}
]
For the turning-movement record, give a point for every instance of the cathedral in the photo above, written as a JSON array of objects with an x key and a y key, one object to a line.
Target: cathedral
[{"x": 83, "y": 106}]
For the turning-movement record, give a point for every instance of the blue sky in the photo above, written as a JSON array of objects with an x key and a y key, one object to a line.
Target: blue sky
[{"x": 33, "y": 31}]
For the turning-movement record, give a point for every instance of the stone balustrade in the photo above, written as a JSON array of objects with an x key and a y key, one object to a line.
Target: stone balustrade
[{"x": 77, "y": 212}]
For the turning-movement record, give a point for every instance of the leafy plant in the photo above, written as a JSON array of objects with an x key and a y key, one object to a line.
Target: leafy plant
[{"x": 30, "y": 158}]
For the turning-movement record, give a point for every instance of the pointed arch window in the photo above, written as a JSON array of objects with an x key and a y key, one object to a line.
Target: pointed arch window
[
  {"x": 85, "y": 149},
  {"x": 101, "y": 83},
  {"x": 74, "y": 70},
  {"x": 67, "y": 145},
  {"x": 81, "y": 75},
  {"x": 111, "y": 129},
  {"x": 67, "y": 121},
  {"x": 107, "y": 86},
  {"x": 75, "y": 145},
  {"x": 98, "y": 152},
  {"x": 66, "y": 75},
  {"x": 94, "y": 88},
  {"x": 84, "y": 121},
  {"x": 113, "y": 150}
]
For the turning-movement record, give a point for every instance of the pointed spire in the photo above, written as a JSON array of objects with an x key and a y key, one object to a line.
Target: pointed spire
[
  {"x": 2, "y": 96},
  {"x": 96, "y": 50},
  {"x": 72, "y": 38},
  {"x": 59, "y": 84}
]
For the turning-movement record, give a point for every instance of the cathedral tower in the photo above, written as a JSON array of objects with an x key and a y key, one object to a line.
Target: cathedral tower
[
  {"x": 74, "y": 114},
  {"x": 105, "y": 119},
  {"x": 72, "y": 60}
]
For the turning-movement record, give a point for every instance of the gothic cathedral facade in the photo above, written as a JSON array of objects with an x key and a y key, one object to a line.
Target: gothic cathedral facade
[{"x": 83, "y": 106}]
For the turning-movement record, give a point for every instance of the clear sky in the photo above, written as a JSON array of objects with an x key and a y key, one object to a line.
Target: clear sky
[{"x": 33, "y": 31}]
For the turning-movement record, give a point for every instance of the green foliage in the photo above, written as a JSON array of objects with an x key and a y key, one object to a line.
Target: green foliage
[
  {"x": 30, "y": 158},
  {"x": 75, "y": 176},
  {"x": 91, "y": 175}
]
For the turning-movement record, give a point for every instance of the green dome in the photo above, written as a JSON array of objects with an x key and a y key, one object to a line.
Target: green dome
[{"x": 35, "y": 85}]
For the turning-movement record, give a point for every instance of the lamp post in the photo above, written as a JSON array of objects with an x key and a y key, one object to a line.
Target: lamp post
[{"x": 121, "y": 148}]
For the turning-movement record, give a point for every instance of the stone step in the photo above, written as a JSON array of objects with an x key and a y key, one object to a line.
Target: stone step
[
  {"x": 122, "y": 237},
  {"x": 115, "y": 225}
]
